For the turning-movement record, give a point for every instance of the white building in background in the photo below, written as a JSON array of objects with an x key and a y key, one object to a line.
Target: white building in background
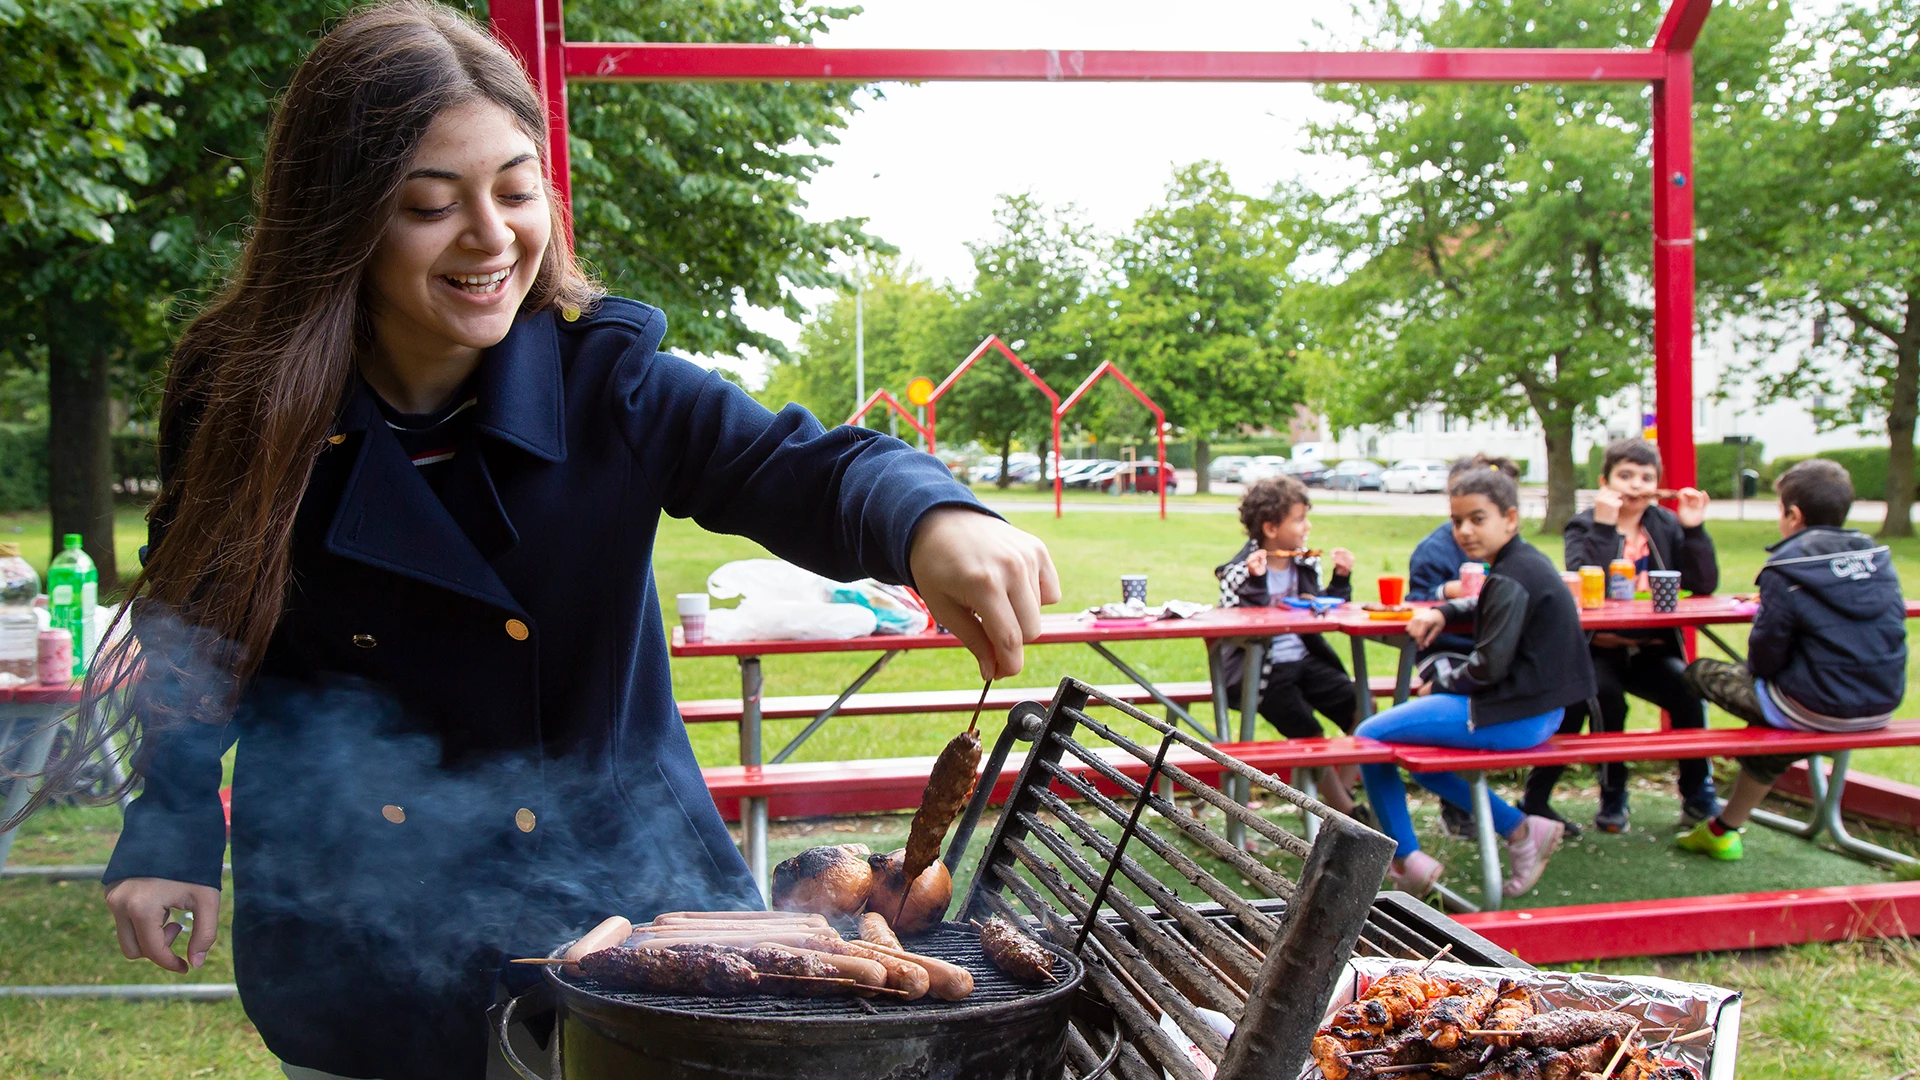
[{"x": 1785, "y": 427}]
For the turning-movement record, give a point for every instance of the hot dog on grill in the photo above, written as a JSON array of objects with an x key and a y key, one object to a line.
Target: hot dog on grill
[
  {"x": 903, "y": 975},
  {"x": 874, "y": 928},
  {"x": 858, "y": 968},
  {"x": 741, "y": 939},
  {"x": 947, "y": 982},
  {"x": 611, "y": 931}
]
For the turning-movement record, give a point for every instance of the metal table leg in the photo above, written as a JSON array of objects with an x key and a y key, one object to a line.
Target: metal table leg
[
  {"x": 830, "y": 711},
  {"x": 1828, "y": 794},
  {"x": 34, "y": 761},
  {"x": 1490, "y": 873},
  {"x": 753, "y": 811},
  {"x": 1403, "y": 679},
  {"x": 1309, "y": 785},
  {"x": 1144, "y": 683},
  {"x": 1362, "y": 690},
  {"x": 1238, "y": 787},
  {"x": 1216, "y": 671}
]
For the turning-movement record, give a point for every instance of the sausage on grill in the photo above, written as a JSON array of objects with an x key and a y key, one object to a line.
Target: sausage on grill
[
  {"x": 874, "y": 928},
  {"x": 708, "y": 970},
  {"x": 948, "y": 788},
  {"x": 1015, "y": 953}
]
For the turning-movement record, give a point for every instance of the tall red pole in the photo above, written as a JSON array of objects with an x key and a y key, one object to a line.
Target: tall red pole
[
  {"x": 553, "y": 88},
  {"x": 1673, "y": 267}
]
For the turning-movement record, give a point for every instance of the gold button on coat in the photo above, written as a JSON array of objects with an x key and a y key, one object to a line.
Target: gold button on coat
[
  {"x": 393, "y": 813},
  {"x": 336, "y": 439},
  {"x": 364, "y": 641},
  {"x": 571, "y": 314},
  {"x": 523, "y": 817},
  {"x": 517, "y": 630}
]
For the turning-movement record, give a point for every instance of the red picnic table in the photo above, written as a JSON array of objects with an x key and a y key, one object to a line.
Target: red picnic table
[
  {"x": 1248, "y": 628},
  {"x": 27, "y": 709}
]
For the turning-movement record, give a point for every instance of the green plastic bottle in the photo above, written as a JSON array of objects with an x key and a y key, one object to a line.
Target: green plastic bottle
[{"x": 73, "y": 591}]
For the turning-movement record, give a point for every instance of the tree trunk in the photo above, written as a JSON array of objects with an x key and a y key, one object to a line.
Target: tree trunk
[
  {"x": 1900, "y": 423},
  {"x": 1557, "y": 425},
  {"x": 79, "y": 447},
  {"x": 1042, "y": 482},
  {"x": 1006, "y": 471},
  {"x": 1202, "y": 457}
]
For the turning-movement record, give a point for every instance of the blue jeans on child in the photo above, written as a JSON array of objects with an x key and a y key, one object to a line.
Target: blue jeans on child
[{"x": 1441, "y": 720}]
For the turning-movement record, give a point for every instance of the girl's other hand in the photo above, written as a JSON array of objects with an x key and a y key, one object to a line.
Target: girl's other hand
[
  {"x": 1342, "y": 561},
  {"x": 141, "y": 907},
  {"x": 984, "y": 580},
  {"x": 1692, "y": 509}
]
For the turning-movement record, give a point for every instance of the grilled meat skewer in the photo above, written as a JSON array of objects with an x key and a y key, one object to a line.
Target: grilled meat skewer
[
  {"x": 949, "y": 787},
  {"x": 1015, "y": 953}
]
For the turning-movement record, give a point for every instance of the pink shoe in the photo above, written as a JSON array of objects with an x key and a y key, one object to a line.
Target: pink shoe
[
  {"x": 1528, "y": 855},
  {"x": 1420, "y": 872}
]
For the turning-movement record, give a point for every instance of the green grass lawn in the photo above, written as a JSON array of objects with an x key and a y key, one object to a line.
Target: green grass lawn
[{"x": 1842, "y": 1011}]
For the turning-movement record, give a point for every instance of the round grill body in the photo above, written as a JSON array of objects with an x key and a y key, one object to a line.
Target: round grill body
[{"x": 1005, "y": 1030}]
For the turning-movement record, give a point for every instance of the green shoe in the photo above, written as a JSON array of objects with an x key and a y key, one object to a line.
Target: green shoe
[{"x": 1725, "y": 847}]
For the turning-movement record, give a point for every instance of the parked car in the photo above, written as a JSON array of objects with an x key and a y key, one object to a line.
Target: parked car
[
  {"x": 1093, "y": 477},
  {"x": 1415, "y": 474},
  {"x": 1141, "y": 476},
  {"x": 1357, "y": 474},
  {"x": 1228, "y": 468},
  {"x": 1265, "y": 467},
  {"x": 1311, "y": 471},
  {"x": 1073, "y": 467}
]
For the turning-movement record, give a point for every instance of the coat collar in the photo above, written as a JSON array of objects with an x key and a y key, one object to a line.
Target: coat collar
[{"x": 522, "y": 399}]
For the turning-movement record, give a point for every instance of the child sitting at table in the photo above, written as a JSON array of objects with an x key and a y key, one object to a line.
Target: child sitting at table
[
  {"x": 1299, "y": 672},
  {"x": 1529, "y": 661},
  {"x": 1626, "y": 523},
  {"x": 1433, "y": 573},
  {"x": 1828, "y": 651}
]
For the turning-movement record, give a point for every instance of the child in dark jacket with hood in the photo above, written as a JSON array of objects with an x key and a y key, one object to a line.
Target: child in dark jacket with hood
[
  {"x": 1829, "y": 645},
  {"x": 1626, "y": 523},
  {"x": 1298, "y": 672}
]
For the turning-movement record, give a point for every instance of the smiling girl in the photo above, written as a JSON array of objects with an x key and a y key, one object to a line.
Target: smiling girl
[{"x": 413, "y": 467}]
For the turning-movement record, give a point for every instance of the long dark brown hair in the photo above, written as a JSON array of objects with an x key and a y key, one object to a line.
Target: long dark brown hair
[{"x": 259, "y": 376}]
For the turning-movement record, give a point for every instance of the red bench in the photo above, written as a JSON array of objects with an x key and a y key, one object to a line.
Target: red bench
[
  {"x": 812, "y": 789},
  {"x": 1827, "y": 791},
  {"x": 999, "y": 699}
]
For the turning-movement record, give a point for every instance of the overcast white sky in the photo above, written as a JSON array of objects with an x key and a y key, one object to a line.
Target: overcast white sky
[{"x": 926, "y": 163}]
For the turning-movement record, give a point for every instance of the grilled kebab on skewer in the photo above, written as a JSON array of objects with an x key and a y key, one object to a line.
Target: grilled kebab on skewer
[{"x": 1015, "y": 953}]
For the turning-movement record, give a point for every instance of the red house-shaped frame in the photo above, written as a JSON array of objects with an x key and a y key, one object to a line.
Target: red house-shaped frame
[{"x": 1159, "y": 422}]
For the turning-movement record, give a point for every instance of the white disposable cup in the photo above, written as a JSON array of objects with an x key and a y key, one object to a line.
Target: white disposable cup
[{"x": 693, "y": 607}]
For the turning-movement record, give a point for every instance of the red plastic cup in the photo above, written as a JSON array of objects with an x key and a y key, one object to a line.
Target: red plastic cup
[{"x": 1393, "y": 589}]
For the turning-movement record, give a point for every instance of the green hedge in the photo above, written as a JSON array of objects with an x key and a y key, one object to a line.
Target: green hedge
[
  {"x": 23, "y": 465},
  {"x": 1714, "y": 465},
  {"x": 1867, "y": 465}
]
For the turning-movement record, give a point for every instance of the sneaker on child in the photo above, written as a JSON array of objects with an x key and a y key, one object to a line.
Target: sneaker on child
[
  {"x": 1527, "y": 856},
  {"x": 1417, "y": 875},
  {"x": 1726, "y": 846}
]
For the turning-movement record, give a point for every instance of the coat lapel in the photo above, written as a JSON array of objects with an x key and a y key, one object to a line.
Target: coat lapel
[{"x": 390, "y": 518}]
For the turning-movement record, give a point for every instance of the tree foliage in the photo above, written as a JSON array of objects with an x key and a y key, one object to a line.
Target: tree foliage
[
  {"x": 79, "y": 108},
  {"x": 1031, "y": 277},
  {"x": 911, "y": 332},
  {"x": 1812, "y": 196},
  {"x": 1498, "y": 247},
  {"x": 1194, "y": 311}
]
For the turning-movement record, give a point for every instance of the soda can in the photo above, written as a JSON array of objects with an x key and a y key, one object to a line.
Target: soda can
[
  {"x": 1472, "y": 577},
  {"x": 55, "y": 657},
  {"x": 1620, "y": 575},
  {"x": 1593, "y": 587},
  {"x": 1571, "y": 578}
]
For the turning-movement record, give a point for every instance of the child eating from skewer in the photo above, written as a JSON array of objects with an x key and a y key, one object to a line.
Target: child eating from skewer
[
  {"x": 1529, "y": 662},
  {"x": 1299, "y": 672}
]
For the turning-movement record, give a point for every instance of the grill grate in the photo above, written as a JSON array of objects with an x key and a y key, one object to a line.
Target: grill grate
[
  {"x": 1267, "y": 965},
  {"x": 955, "y": 943}
]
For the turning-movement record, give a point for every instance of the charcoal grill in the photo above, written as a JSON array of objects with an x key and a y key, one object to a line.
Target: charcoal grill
[
  {"x": 1088, "y": 842},
  {"x": 1004, "y": 1030},
  {"x": 1135, "y": 952}
]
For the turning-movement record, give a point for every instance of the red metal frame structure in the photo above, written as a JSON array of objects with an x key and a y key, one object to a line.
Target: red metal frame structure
[
  {"x": 534, "y": 29},
  {"x": 1053, "y": 401},
  {"x": 1159, "y": 421},
  {"x": 882, "y": 397}
]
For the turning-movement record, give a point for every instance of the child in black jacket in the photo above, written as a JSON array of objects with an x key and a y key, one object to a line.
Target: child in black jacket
[
  {"x": 1828, "y": 650},
  {"x": 1529, "y": 662},
  {"x": 1625, "y": 522},
  {"x": 1299, "y": 672}
]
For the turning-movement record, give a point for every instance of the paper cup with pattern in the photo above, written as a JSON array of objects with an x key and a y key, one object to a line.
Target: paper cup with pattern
[
  {"x": 693, "y": 616},
  {"x": 1133, "y": 587},
  {"x": 1665, "y": 586}
]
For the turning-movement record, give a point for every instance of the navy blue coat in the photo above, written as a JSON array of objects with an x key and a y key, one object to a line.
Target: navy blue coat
[
  {"x": 1831, "y": 632},
  {"x": 462, "y": 743}
]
